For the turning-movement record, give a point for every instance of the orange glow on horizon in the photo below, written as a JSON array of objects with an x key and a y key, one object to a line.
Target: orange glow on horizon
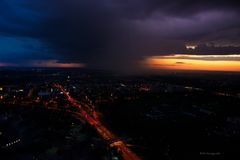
[
  {"x": 6, "y": 64},
  {"x": 195, "y": 62},
  {"x": 55, "y": 63}
]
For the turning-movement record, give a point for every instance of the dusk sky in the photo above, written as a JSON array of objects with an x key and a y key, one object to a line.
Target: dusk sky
[{"x": 120, "y": 34}]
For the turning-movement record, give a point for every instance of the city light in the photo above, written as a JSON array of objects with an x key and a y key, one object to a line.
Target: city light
[
  {"x": 85, "y": 114},
  {"x": 120, "y": 117}
]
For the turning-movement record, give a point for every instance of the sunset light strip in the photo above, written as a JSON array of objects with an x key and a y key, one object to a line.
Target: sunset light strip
[{"x": 194, "y": 62}]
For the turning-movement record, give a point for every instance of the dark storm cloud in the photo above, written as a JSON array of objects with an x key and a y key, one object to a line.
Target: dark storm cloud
[{"x": 115, "y": 34}]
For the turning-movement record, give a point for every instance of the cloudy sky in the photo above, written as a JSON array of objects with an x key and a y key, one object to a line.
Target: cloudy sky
[{"x": 114, "y": 34}]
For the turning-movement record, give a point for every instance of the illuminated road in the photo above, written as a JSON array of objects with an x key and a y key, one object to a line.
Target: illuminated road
[{"x": 93, "y": 120}]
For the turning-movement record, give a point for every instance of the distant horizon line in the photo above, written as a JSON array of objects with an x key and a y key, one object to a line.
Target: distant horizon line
[{"x": 151, "y": 71}]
